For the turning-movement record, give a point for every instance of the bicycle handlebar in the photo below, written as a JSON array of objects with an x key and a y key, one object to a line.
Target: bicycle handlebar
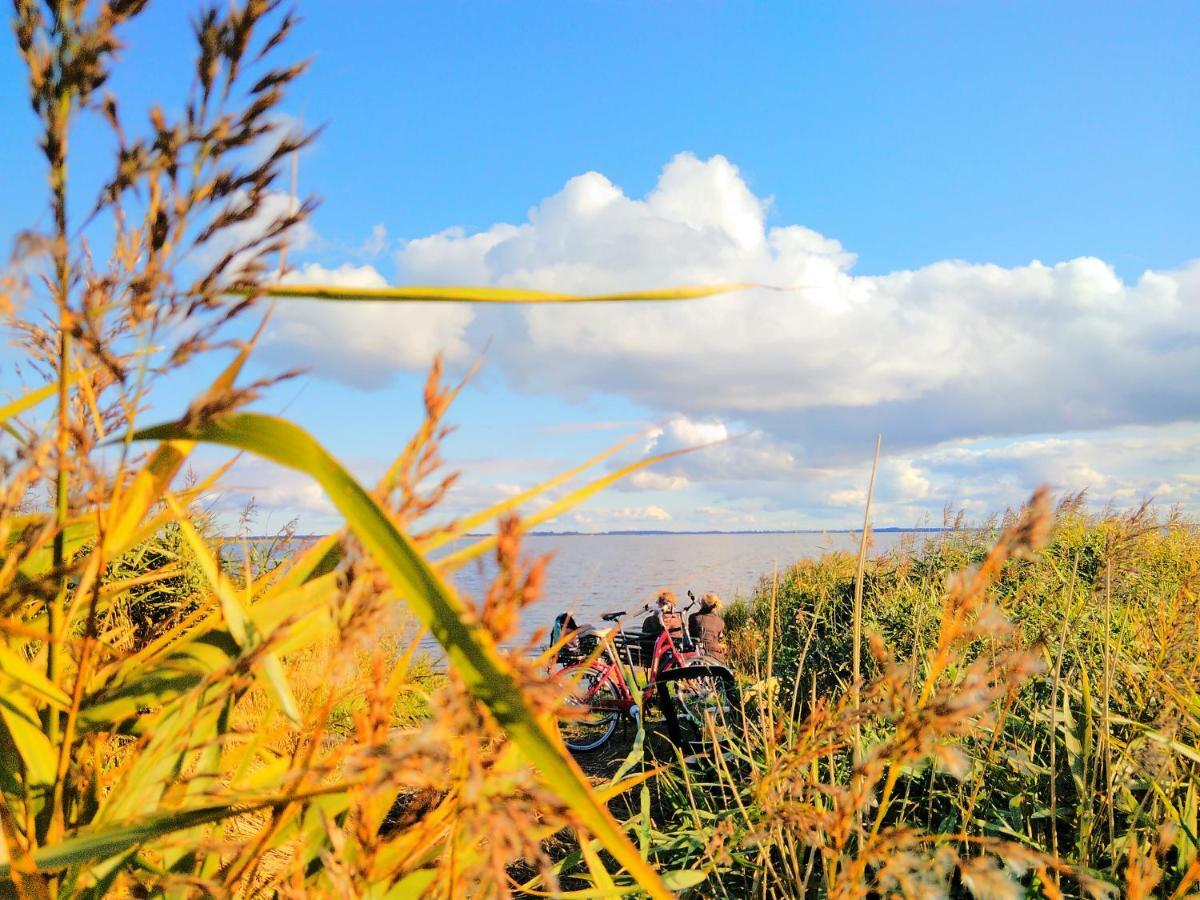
[{"x": 619, "y": 614}]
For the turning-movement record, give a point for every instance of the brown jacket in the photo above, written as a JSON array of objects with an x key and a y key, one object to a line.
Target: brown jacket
[
  {"x": 708, "y": 629},
  {"x": 652, "y": 628}
]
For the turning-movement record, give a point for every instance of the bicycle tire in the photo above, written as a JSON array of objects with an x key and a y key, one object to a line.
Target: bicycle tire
[
  {"x": 703, "y": 705},
  {"x": 588, "y": 724}
]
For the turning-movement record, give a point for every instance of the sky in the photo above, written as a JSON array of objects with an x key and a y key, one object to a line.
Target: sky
[{"x": 977, "y": 223}]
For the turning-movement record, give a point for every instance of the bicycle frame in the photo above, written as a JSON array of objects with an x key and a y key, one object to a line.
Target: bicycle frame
[
  {"x": 605, "y": 687},
  {"x": 664, "y": 657}
]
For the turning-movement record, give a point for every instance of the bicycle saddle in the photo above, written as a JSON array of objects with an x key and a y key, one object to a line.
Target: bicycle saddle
[{"x": 613, "y": 616}]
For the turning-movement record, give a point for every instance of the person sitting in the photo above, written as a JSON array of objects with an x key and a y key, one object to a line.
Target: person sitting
[
  {"x": 652, "y": 626},
  {"x": 707, "y": 628}
]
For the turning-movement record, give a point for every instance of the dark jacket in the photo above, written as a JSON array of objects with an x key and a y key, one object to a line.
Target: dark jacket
[
  {"x": 708, "y": 629},
  {"x": 652, "y": 628}
]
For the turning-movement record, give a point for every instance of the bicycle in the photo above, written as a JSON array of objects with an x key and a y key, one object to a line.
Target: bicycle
[{"x": 695, "y": 691}]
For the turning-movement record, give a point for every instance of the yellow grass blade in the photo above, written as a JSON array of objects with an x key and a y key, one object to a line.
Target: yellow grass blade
[
  {"x": 40, "y": 556},
  {"x": 237, "y": 617},
  {"x": 313, "y": 562},
  {"x": 17, "y": 670},
  {"x": 129, "y": 505},
  {"x": 474, "y": 520},
  {"x": 24, "y": 728},
  {"x": 186, "y": 656},
  {"x": 469, "y": 647},
  {"x": 439, "y": 294},
  {"x": 32, "y": 398},
  {"x": 105, "y": 841},
  {"x": 459, "y": 558},
  {"x": 595, "y": 866}
]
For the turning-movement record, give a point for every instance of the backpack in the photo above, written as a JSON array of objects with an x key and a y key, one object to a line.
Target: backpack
[{"x": 577, "y": 647}]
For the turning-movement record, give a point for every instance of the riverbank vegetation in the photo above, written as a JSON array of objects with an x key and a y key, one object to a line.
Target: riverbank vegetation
[
  {"x": 172, "y": 726},
  {"x": 1027, "y": 721},
  {"x": 176, "y": 723}
]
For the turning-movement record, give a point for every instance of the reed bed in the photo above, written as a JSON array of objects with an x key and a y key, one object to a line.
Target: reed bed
[
  {"x": 176, "y": 722},
  {"x": 1028, "y": 718},
  {"x": 171, "y": 724}
]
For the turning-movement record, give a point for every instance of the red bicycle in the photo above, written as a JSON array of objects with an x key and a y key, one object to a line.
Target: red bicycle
[{"x": 695, "y": 691}]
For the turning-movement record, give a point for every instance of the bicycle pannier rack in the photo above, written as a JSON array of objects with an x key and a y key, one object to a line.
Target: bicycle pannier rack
[
  {"x": 579, "y": 646},
  {"x": 631, "y": 649}
]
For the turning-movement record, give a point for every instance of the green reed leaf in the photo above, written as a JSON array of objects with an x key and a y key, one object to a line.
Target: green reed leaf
[
  {"x": 20, "y": 719},
  {"x": 459, "y": 558},
  {"x": 469, "y": 647},
  {"x": 439, "y": 294}
]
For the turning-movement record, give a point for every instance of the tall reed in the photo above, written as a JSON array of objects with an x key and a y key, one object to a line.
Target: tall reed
[
  {"x": 160, "y": 732},
  {"x": 1029, "y": 722}
]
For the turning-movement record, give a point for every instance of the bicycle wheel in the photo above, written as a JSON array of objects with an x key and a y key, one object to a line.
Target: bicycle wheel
[
  {"x": 705, "y": 702},
  {"x": 591, "y": 709}
]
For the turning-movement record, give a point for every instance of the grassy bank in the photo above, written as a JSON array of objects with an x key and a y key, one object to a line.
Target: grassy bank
[
  {"x": 172, "y": 726},
  {"x": 1028, "y": 719},
  {"x": 176, "y": 723}
]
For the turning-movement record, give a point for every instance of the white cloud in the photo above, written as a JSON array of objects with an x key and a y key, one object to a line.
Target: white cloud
[
  {"x": 641, "y": 514},
  {"x": 951, "y": 350},
  {"x": 613, "y": 519},
  {"x": 910, "y": 481},
  {"x": 1121, "y": 467},
  {"x": 453, "y": 256},
  {"x": 650, "y": 513},
  {"x": 273, "y": 206},
  {"x": 983, "y": 379},
  {"x": 377, "y": 242},
  {"x": 362, "y": 344},
  {"x": 721, "y": 453},
  {"x": 649, "y": 480},
  {"x": 277, "y": 495},
  {"x": 684, "y": 432},
  {"x": 847, "y": 497}
]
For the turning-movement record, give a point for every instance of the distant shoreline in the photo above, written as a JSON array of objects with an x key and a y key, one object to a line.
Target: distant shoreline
[
  {"x": 660, "y": 533},
  {"x": 891, "y": 529}
]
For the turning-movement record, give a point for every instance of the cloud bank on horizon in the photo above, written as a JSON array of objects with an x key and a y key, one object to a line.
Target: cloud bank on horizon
[{"x": 983, "y": 379}]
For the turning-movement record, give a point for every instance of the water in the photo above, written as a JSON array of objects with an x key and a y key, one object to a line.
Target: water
[
  {"x": 590, "y": 574},
  {"x": 594, "y": 574}
]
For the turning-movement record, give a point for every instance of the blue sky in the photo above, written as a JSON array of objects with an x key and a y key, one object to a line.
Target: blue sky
[{"x": 897, "y": 166}]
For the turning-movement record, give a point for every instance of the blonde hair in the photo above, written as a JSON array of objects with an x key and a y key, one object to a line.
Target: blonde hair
[
  {"x": 667, "y": 598},
  {"x": 710, "y": 602}
]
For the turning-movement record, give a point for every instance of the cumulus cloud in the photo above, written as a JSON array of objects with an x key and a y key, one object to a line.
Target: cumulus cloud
[
  {"x": 951, "y": 350},
  {"x": 377, "y": 242},
  {"x": 1121, "y": 467},
  {"x": 721, "y": 453},
  {"x": 620, "y": 517},
  {"x": 910, "y": 481},
  {"x": 273, "y": 494},
  {"x": 273, "y": 206},
  {"x": 963, "y": 366},
  {"x": 649, "y": 480},
  {"x": 362, "y": 344}
]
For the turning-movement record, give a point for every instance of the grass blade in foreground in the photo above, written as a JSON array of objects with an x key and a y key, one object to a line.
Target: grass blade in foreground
[
  {"x": 32, "y": 399},
  {"x": 468, "y": 646},
  {"x": 465, "y": 524},
  {"x": 459, "y": 558},
  {"x": 428, "y": 294}
]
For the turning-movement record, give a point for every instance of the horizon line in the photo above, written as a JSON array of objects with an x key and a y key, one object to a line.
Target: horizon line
[{"x": 636, "y": 532}]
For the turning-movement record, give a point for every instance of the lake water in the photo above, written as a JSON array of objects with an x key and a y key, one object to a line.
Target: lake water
[
  {"x": 593, "y": 574},
  {"x": 590, "y": 574}
]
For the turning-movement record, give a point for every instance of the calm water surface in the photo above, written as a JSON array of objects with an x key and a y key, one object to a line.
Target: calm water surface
[
  {"x": 593, "y": 574},
  {"x": 590, "y": 574}
]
